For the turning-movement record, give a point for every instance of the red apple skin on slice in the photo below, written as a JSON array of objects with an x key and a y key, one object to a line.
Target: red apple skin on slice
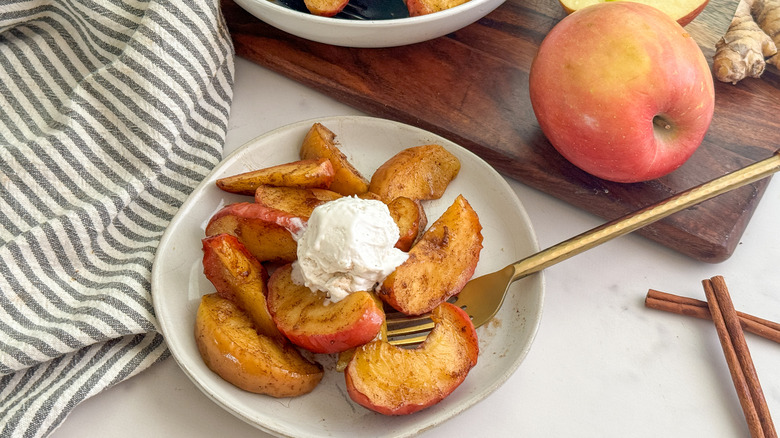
[
  {"x": 398, "y": 381},
  {"x": 308, "y": 319},
  {"x": 292, "y": 205},
  {"x": 238, "y": 276},
  {"x": 264, "y": 231},
  {"x": 687, "y": 18}
]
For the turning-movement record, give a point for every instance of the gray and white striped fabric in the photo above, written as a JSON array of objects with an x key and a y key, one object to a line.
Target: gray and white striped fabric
[{"x": 111, "y": 112}]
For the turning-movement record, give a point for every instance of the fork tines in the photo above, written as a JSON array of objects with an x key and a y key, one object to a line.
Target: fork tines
[
  {"x": 404, "y": 330},
  {"x": 399, "y": 324}
]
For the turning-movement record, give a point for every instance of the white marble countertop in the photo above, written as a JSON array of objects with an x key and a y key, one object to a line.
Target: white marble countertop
[{"x": 602, "y": 364}]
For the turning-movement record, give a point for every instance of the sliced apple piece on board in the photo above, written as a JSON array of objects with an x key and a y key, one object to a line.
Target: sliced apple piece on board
[
  {"x": 317, "y": 173},
  {"x": 411, "y": 220},
  {"x": 231, "y": 347},
  {"x": 682, "y": 11},
  {"x": 418, "y": 173},
  {"x": 320, "y": 142},
  {"x": 311, "y": 321},
  {"x": 264, "y": 231},
  {"x": 397, "y": 381},
  {"x": 439, "y": 264},
  {"x": 238, "y": 276}
]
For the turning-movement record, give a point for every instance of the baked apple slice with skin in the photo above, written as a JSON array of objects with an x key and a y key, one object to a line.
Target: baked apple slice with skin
[
  {"x": 308, "y": 318},
  {"x": 424, "y": 7},
  {"x": 411, "y": 220},
  {"x": 316, "y": 173},
  {"x": 293, "y": 206},
  {"x": 418, "y": 173},
  {"x": 325, "y": 8},
  {"x": 264, "y": 231},
  {"x": 439, "y": 264},
  {"x": 320, "y": 142},
  {"x": 238, "y": 276},
  {"x": 397, "y": 381},
  {"x": 231, "y": 347}
]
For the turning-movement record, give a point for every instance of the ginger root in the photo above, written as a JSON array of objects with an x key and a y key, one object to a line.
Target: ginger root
[
  {"x": 767, "y": 13},
  {"x": 743, "y": 50}
]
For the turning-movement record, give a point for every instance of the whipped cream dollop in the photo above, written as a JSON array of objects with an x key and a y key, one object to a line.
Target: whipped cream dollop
[{"x": 348, "y": 245}]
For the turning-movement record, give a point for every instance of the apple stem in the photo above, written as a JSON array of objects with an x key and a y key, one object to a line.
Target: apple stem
[{"x": 661, "y": 123}]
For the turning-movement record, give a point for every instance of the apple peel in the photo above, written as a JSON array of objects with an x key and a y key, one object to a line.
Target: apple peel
[
  {"x": 394, "y": 380},
  {"x": 238, "y": 276},
  {"x": 266, "y": 232}
]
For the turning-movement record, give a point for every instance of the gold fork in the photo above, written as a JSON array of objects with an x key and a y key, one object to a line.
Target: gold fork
[{"x": 483, "y": 296}]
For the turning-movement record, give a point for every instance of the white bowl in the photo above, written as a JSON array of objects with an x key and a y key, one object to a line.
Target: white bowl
[{"x": 369, "y": 33}]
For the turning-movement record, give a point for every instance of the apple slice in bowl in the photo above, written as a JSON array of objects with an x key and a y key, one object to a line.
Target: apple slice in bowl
[
  {"x": 399, "y": 381},
  {"x": 311, "y": 321}
]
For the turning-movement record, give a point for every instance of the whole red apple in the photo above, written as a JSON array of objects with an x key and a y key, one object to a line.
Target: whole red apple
[{"x": 622, "y": 91}]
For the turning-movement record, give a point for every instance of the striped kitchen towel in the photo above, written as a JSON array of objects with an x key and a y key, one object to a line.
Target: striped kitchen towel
[{"x": 111, "y": 112}]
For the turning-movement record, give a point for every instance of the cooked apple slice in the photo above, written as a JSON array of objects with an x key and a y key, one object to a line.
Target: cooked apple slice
[
  {"x": 264, "y": 231},
  {"x": 418, "y": 173},
  {"x": 325, "y": 8},
  {"x": 369, "y": 196},
  {"x": 320, "y": 142},
  {"x": 439, "y": 264},
  {"x": 424, "y": 7},
  {"x": 311, "y": 321},
  {"x": 238, "y": 276},
  {"x": 293, "y": 206},
  {"x": 397, "y": 381},
  {"x": 408, "y": 215},
  {"x": 231, "y": 347},
  {"x": 411, "y": 220},
  {"x": 297, "y": 201},
  {"x": 682, "y": 11},
  {"x": 316, "y": 173}
]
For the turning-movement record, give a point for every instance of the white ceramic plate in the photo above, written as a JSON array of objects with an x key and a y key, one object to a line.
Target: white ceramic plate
[
  {"x": 369, "y": 33},
  {"x": 178, "y": 283}
]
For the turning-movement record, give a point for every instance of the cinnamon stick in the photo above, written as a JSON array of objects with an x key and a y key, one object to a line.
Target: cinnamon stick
[
  {"x": 698, "y": 309},
  {"x": 740, "y": 363}
]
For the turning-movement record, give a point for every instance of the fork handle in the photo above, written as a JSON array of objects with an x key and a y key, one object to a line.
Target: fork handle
[{"x": 645, "y": 216}]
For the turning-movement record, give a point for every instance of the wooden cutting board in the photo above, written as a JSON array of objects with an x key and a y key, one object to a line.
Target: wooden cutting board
[{"x": 472, "y": 87}]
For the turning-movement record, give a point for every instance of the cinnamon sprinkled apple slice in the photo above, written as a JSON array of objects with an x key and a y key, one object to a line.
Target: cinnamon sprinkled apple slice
[{"x": 397, "y": 381}]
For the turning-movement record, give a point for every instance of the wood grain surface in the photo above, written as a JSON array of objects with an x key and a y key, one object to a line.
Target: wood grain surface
[{"x": 471, "y": 87}]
